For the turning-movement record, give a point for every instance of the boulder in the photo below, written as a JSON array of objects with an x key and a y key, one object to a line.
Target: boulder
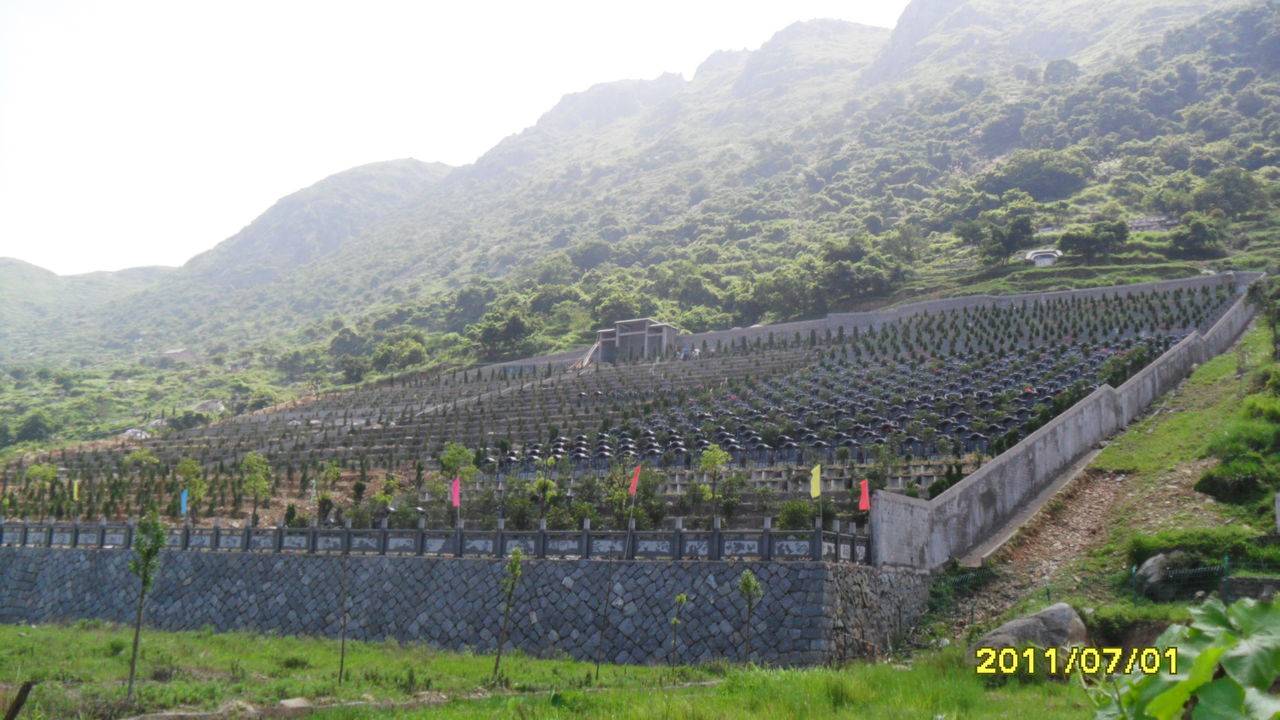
[
  {"x": 1150, "y": 580},
  {"x": 1055, "y": 626},
  {"x": 294, "y": 708}
]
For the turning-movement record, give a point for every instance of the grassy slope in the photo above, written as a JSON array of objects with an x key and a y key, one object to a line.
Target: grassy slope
[{"x": 85, "y": 666}]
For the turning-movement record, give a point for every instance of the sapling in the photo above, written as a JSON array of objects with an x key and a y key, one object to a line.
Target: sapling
[
  {"x": 681, "y": 600},
  {"x": 509, "y": 583},
  {"x": 148, "y": 542}
]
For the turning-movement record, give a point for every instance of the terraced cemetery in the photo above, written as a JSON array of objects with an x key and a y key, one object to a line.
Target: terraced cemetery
[{"x": 912, "y": 404}]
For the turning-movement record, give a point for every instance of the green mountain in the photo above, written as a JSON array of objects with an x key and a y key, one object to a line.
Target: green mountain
[
  {"x": 837, "y": 167},
  {"x": 29, "y": 294},
  {"x": 50, "y": 316},
  {"x": 941, "y": 38}
]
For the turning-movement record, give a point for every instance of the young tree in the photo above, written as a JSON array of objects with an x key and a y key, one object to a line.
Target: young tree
[
  {"x": 330, "y": 473},
  {"x": 681, "y": 600},
  {"x": 457, "y": 461},
  {"x": 148, "y": 542},
  {"x": 257, "y": 479},
  {"x": 509, "y": 583},
  {"x": 751, "y": 591},
  {"x": 543, "y": 487},
  {"x": 42, "y": 477},
  {"x": 142, "y": 460},
  {"x": 712, "y": 462}
]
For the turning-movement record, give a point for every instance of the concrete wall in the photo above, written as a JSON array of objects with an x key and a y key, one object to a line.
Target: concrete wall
[
  {"x": 909, "y": 532},
  {"x": 810, "y": 612}
]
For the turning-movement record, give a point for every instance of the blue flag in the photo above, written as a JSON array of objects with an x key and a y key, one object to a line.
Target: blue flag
[{"x": 184, "y": 501}]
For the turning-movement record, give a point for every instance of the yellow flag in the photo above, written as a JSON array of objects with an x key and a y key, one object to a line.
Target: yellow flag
[
  {"x": 815, "y": 481},
  {"x": 75, "y": 491}
]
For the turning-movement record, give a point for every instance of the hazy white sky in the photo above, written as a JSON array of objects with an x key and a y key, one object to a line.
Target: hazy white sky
[{"x": 142, "y": 132}]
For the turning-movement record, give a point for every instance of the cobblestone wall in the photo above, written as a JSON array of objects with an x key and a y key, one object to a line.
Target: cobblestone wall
[{"x": 810, "y": 612}]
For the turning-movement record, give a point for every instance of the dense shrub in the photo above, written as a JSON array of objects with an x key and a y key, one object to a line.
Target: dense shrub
[
  {"x": 1241, "y": 481},
  {"x": 1207, "y": 545}
]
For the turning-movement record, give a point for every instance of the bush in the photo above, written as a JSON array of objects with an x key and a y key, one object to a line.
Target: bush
[
  {"x": 1244, "y": 436},
  {"x": 795, "y": 515},
  {"x": 1207, "y": 545},
  {"x": 1262, "y": 407},
  {"x": 1112, "y": 623},
  {"x": 1240, "y": 481}
]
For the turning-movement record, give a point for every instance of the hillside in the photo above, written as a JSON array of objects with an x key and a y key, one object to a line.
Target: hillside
[
  {"x": 29, "y": 294},
  {"x": 112, "y": 311},
  {"x": 837, "y": 167},
  {"x": 940, "y": 38}
]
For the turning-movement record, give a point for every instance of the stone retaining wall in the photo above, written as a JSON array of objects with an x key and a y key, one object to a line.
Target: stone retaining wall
[{"x": 810, "y": 613}]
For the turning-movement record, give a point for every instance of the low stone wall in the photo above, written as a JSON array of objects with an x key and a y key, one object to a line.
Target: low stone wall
[
  {"x": 909, "y": 532},
  {"x": 810, "y": 613},
  {"x": 1260, "y": 588}
]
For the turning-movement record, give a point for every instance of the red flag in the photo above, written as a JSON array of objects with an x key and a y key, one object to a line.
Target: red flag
[
  {"x": 864, "y": 502},
  {"x": 455, "y": 492},
  {"x": 634, "y": 479}
]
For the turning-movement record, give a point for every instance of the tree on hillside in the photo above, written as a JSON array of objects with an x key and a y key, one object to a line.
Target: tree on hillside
[
  {"x": 544, "y": 486},
  {"x": 712, "y": 462},
  {"x": 1232, "y": 190},
  {"x": 330, "y": 473},
  {"x": 257, "y": 479},
  {"x": 1044, "y": 174},
  {"x": 142, "y": 460},
  {"x": 41, "y": 479},
  {"x": 457, "y": 461},
  {"x": 500, "y": 334},
  {"x": 347, "y": 343},
  {"x": 1099, "y": 240},
  {"x": 401, "y": 349},
  {"x": 35, "y": 426},
  {"x": 1060, "y": 71},
  {"x": 1197, "y": 234},
  {"x": 353, "y": 369}
]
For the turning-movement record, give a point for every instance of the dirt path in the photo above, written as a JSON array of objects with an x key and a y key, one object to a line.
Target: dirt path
[{"x": 1072, "y": 524}]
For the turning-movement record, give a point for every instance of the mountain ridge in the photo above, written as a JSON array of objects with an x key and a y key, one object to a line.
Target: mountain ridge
[{"x": 762, "y": 138}]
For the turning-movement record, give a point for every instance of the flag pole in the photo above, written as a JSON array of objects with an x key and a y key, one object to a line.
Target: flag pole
[{"x": 635, "y": 479}]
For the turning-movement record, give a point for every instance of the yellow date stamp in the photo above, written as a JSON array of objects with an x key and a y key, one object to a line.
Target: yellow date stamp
[{"x": 1064, "y": 661}]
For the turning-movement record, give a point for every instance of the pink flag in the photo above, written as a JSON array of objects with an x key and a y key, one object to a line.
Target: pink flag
[
  {"x": 455, "y": 492},
  {"x": 864, "y": 502},
  {"x": 634, "y": 479}
]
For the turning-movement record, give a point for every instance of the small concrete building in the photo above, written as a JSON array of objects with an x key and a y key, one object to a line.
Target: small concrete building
[
  {"x": 1043, "y": 257},
  {"x": 634, "y": 339}
]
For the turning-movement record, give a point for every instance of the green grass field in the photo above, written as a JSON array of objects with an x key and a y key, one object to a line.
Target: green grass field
[{"x": 82, "y": 670}]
